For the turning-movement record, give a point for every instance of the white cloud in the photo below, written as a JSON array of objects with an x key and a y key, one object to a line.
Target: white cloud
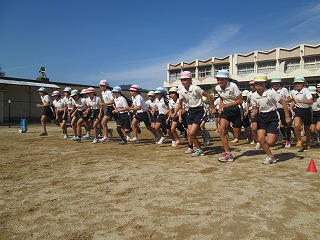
[
  {"x": 153, "y": 75},
  {"x": 309, "y": 20}
]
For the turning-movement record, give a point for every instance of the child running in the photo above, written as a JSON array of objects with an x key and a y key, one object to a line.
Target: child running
[
  {"x": 123, "y": 119},
  {"x": 265, "y": 107},
  {"x": 78, "y": 114},
  {"x": 192, "y": 96},
  {"x": 108, "y": 102},
  {"x": 276, "y": 84},
  {"x": 61, "y": 109},
  {"x": 140, "y": 113},
  {"x": 174, "y": 121},
  {"x": 230, "y": 99},
  {"x": 301, "y": 100},
  {"x": 48, "y": 111},
  {"x": 94, "y": 111},
  {"x": 315, "y": 123}
]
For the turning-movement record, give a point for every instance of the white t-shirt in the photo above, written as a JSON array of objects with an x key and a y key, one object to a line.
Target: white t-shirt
[
  {"x": 217, "y": 103},
  {"x": 46, "y": 99},
  {"x": 172, "y": 104},
  {"x": 59, "y": 105},
  {"x": 151, "y": 104},
  {"x": 81, "y": 104},
  {"x": 94, "y": 103},
  {"x": 303, "y": 94},
  {"x": 267, "y": 102},
  {"x": 161, "y": 105},
  {"x": 120, "y": 104},
  {"x": 230, "y": 93},
  {"x": 192, "y": 97},
  {"x": 139, "y": 101},
  {"x": 68, "y": 102},
  {"x": 284, "y": 94}
]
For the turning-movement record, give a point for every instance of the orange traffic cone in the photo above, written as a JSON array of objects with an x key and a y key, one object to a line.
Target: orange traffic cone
[{"x": 312, "y": 166}]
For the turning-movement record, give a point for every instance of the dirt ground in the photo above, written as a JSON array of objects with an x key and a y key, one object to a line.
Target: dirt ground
[{"x": 54, "y": 188}]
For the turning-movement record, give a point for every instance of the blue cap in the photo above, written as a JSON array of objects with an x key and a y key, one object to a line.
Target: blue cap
[
  {"x": 116, "y": 89},
  {"x": 42, "y": 89},
  {"x": 159, "y": 90}
]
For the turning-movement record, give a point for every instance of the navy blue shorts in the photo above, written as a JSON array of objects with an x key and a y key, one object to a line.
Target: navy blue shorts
[
  {"x": 144, "y": 117},
  {"x": 49, "y": 112},
  {"x": 163, "y": 120},
  {"x": 305, "y": 114},
  {"x": 315, "y": 117},
  {"x": 124, "y": 120},
  {"x": 195, "y": 115},
  {"x": 269, "y": 121},
  {"x": 232, "y": 114},
  {"x": 109, "y": 113}
]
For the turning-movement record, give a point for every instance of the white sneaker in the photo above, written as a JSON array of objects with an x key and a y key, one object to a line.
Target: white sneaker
[
  {"x": 128, "y": 138},
  {"x": 104, "y": 139},
  {"x": 269, "y": 160},
  {"x": 134, "y": 140},
  {"x": 258, "y": 146},
  {"x": 173, "y": 143},
  {"x": 189, "y": 151},
  {"x": 87, "y": 136},
  {"x": 95, "y": 140},
  {"x": 65, "y": 136},
  {"x": 162, "y": 140},
  {"x": 157, "y": 138},
  {"x": 235, "y": 140}
]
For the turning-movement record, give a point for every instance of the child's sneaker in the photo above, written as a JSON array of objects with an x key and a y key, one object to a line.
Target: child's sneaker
[
  {"x": 78, "y": 139},
  {"x": 258, "y": 146},
  {"x": 189, "y": 151},
  {"x": 104, "y": 139},
  {"x": 162, "y": 140},
  {"x": 288, "y": 144},
  {"x": 269, "y": 160},
  {"x": 122, "y": 142},
  {"x": 235, "y": 140},
  {"x": 87, "y": 136},
  {"x": 65, "y": 136},
  {"x": 226, "y": 157},
  {"x": 134, "y": 140},
  {"x": 43, "y": 134},
  {"x": 173, "y": 143},
  {"x": 177, "y": 143},
  {"x": 198, "y": 152},
  {"x": 95, "y": 140},
  {"x": 299, "y": 144}
]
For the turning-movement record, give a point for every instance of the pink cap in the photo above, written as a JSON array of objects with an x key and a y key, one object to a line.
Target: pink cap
[
  {"x": 104, "y": 82},
  {"x": 90, "y": 90},
  {"x": 55, "y": 93},
  {"x": 134, "y": 88},
  {"x": 186, "y": 75}
]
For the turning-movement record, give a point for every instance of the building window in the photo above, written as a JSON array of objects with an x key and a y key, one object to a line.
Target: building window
[
  {"x": 245, "y": 69},
  {"x": 175, "y": 75},
  {"x": 292, "y": 64},
  {"x": 266, "y": 67},
  {"x": 205, "y": 72},
  {"x": 312, "y": 62},
  {"x": 220, "y": 67}
]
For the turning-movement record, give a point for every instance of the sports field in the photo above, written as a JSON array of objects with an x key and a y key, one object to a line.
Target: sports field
[{"x": 54, "y": 188}]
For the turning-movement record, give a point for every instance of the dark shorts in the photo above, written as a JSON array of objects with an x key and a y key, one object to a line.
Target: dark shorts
[
  {"x": 269, "y": 122},
  {"x": 108, "y": 112},
  {"x": 124, "y": 120},
  {"x": 195, "y": 115},
  {"x": 49, "y": 112},
  {"x": 144, "y": 117},
  {"x": 245, "y": 122},
  {"x": 232, "y": 114},
  {"x": 252, "y": 119},
  {"x": 162, "y": 119},
  {"x": 94, "y": 114},
  {"x": 315, "y": 117},
  {"x": 79, "y": 115},
  {"x": 61, "y": 118},
  {"x": 283, "y": 116},
  {"x": 305, "y": 114},
  {"x": 217, "y": 114}
]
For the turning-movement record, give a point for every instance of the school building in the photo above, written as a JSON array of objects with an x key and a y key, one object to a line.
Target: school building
[{"x": 302, "y": 60}]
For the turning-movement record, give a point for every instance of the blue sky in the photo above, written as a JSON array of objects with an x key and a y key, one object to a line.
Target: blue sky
[{"x": 131, "y": 42}]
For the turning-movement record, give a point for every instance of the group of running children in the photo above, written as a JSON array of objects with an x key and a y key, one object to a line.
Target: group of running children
[{"x": 263, "y": 111}]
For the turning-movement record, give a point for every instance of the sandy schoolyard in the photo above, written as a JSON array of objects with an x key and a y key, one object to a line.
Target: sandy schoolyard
[{"x": 54, "y": 188}]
